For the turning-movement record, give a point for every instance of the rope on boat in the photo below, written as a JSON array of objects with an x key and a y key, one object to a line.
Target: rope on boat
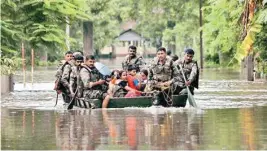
[{"x": 166, "y": 95}]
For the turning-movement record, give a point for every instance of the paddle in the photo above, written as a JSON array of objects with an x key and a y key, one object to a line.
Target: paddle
[
  {"x": 191, "y": 99},
  {"x": 56, "y": 100},
  {"x": 71, "y": 104}
]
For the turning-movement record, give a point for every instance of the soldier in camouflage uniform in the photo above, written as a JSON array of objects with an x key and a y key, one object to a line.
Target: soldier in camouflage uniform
[
  {"x": 191, "y": 71},
  {"x": 162, "y": 74},
  {"x": 92, "y": 80},
  {"x": 132, "y": 60},
  {"x": 74, "y": 75},
  {"x": 63, "y": 74}
]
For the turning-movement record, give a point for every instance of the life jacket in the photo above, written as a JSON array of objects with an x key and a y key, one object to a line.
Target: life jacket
[
  {"x": 162, "y": 73},
  {"x": 91, "y": 73}
]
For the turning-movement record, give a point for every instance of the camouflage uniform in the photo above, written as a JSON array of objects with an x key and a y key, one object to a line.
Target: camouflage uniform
[
  {"x": 161, "y": 73},
  {"x": 91, "y": 75},
  {"x": 119, "y": 90},
  {"x": 63, "y": 72},
  {"x": 136, "y": 61},
  {"x": 191, "y": 73},
  {"x": 74, "y": 75}
]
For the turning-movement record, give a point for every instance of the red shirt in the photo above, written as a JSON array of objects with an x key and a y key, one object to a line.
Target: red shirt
[{"x": 130, "y": 80}]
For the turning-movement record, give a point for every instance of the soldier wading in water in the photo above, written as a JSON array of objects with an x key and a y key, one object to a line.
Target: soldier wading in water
[{"x": 63, "y": 77}]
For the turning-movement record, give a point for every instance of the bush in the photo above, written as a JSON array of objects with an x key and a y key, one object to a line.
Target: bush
[{"x": 9, "y": 65}]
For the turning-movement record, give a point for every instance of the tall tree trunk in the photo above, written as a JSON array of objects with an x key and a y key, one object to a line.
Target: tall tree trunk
[
  {"x": 67, "y": 33},
  {"x": 88, "y": 38},
  {"x": 250, "y": 67}
]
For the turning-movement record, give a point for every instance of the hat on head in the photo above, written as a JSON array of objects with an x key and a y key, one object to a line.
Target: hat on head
[
  {"x": 78, "y": 57},
  {"x": 76, "y": 53}
]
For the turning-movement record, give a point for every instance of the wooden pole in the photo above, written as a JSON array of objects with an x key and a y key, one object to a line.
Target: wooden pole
[
  {"x": 32, "y": 64},
  {"x": 23, "y": 64},
  {"x": 200, "y": 34}
]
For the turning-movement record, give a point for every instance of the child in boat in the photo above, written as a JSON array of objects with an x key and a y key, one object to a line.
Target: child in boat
[
  {"x": 133, "y": 82},
  {"x": 120, "y": 88},
  {"x": 131, "y": 77}
]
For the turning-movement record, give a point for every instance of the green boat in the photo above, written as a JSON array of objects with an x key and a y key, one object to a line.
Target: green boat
[{"x": 142, "y": 101}]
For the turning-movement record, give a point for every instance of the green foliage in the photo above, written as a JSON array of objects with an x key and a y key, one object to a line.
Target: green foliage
[
  {"x": 261, "y": 41},
  {"x": 38, "y": 24},
  {"x": 9, "y": 65},
  {"x": 41, "y": 25},
  {"x": 105, "y": 18},
  {"x": 167, "y": 22},
  {"x": 10, "y": 33},
  {"x": 221, "y": 29}
]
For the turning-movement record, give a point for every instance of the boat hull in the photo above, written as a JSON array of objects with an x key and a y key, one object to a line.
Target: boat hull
[{"x": 144, "y": 101}]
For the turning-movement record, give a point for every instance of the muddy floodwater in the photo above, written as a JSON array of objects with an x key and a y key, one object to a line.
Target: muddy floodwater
[{"x": 231, "y": 114}]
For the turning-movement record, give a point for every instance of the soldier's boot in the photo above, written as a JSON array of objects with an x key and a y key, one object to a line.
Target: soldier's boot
[
  {"x": 66, "y": 98},
  {"x": 93, "y": 103},
  {"x": 92, "y": 106}
]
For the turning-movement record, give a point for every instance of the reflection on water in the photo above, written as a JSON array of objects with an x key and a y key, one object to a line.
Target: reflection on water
[
  {"x": 231, "y": 115},
  {"x": 133, "y": 128}
]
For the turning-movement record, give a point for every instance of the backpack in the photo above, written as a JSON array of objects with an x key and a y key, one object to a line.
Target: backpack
[{"x": 196, "y": 81}]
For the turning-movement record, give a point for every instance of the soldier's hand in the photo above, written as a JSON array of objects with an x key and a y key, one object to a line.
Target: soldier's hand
[
  {"x": 59, "y": 91},
  {"x": 67, "y": 91},
  {"x": 101, "y": 82},
  {"x": 161, "y": 84},
  {"x": 187, "y": 83},
  {"x": 72, "y": 94},
  {"x": 167, "y": 83}
]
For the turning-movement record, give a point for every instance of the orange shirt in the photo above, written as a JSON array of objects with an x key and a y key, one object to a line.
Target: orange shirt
[{"x": 113, "y": 81}]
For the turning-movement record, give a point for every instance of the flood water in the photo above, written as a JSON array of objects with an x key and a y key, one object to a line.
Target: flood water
[{"x": 231, "y": 114}]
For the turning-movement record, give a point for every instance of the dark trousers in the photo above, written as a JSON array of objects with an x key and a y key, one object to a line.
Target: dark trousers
[
  {"x": 66, "y": 96},
  {"x": 162, "y": 97},
  {"x": 182, "y": 90}
]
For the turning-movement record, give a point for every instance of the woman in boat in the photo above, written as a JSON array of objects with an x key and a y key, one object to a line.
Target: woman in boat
[
  {"x": 143, "y": 79},
  {"x": 120, "y": 88},
  {"x": 114, "y": 75}
]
